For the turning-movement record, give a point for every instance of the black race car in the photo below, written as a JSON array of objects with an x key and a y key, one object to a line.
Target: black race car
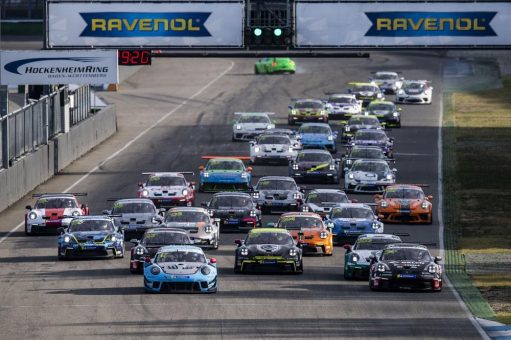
[
  {"x": 277, "y": 194},
  {"x": 268, "y": 249},
  {"x": 359, "y": 122},
  {"x": 362, "y": 152},
  {"x": 236, "y": 211},
  {"x": 386, "y": 112},
  {"x": 373, "y": 138},
  {"x": 405, "y": 266},
  {"x": 315, "y": 165},
  {"x": 153, "y": 240},
  {"x": 321, "y": 201}
]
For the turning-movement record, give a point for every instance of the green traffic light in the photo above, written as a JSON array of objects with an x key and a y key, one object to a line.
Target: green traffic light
[
  {"x": 277, "y": 32},
  {"x": 258, "y": 32}
]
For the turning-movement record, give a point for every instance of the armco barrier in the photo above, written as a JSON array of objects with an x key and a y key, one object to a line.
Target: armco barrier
[{"x": 39, "y": 166}]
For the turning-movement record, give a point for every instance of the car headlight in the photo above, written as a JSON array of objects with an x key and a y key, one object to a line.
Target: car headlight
[
  {"x": 238, "y": 127},
  {"x": 323, "y": 112},
  {"x": 425, "y": 205},
  {"x": 145, "y": 193},
  {"x": 379, "y": 95},
  {"x": 253, "y": 213},
  {"x": 206, "y": 174},
  {"x": 184, "y": 192},
  {"x": 140, "y": 251},
  {"x": 354, "y": 258},
  {"x": 211, "y": 212},
  {"x": 269, "y": 126},
  {"x": 375, "y": 225},
  {"x": 113, "y": 238},
  {"x": 330, "y": 138},
  {"x": 244, "y": 175},
  {"x": 255, "y": 195},
  {"x": 323, "y": 235},
  {"x": 384, "y": 204},
  {"x": 432, "y": 269},
  {"x": 155, "y": 270},
  {"x": 292, "y": 252},
  {"x": 347, "y": 129},
  {"x": 395, "y": 114},
  {"x": 32, "y": 215},
  {"x": 67, "y": 239},
  {"x": 332, "y": 167},
  {"x": 305, "y": 208},
  {"x": 208, "y": 229},
  {"x": 401, "y": 92},
  {"x": 294, "y": 112},
  {"x": 257, "y": 149},
  {"x": 75, "y": 213},
  {"x": 389, "y": 177},
  {"x": 205, "y": 270},
  {"x": 244, "y": 251},
  {"x": 381, "y": 268},
  {"x": 296, "y": 196},
  {"x": 348, "y": 161},
  {"x": 295, "y": 166},
  {"x": 290, "y": 149},
  {"x": 351, "y": 176}
]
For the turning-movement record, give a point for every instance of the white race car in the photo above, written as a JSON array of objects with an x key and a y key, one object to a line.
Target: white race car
[
  {"x": 52, "y": 211},
  {"x": 273, "y": 149},
  {"x": 369, "y": 176},
  {"x": 202, "y": 229},
  {"x": 342, "y": 106},
  {"x": 249, "y": 125},
  {"x": 389, "y": 82},
  {"x": 168, "y": 189},
  {"x": 415, "y": 91}
]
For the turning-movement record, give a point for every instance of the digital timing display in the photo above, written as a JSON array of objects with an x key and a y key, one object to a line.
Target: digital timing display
[{"x": 134, "y": 57}]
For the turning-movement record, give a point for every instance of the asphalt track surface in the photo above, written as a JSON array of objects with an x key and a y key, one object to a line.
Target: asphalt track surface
[{"x": 178, "y": 110}]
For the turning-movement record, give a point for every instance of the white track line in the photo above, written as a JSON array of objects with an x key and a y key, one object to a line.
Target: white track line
[
  {"x": 127, "y": 145},
  {"x": 441, "y": 228}
]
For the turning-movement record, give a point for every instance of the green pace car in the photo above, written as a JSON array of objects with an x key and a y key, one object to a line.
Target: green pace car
[{"x": 274, "y": 65}]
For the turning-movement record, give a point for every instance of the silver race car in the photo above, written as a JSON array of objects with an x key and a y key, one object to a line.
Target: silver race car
[
  {"x": 321, "y": 201},
  {"x": 277, "y": 194},
  {"x": 272, "y": 149},
  {"x": 389, "y": 82},
  {"x": 415, "y": 92},
  {"x": 292, "y": 134},
  {"x": 249, "y": 125},
  {"x": 202, "y": 229},
  {"x": 369, "y": 176}
]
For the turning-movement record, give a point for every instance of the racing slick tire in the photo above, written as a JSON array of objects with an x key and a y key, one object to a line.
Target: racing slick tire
[
  {"x": 60, "y": 257},
  {"x": 256, "y": 71},
  {"x": 237, "y": 269},
  {"x": 201, "y": 187},
  {"x": 290, "y": 121},
  {"x": 216, "y": 243},
  {"x": 336, "y": 180},
  {"x": 431, "y": 221},
  {"x": 299, "y": 269},
  {"x": 347, "y": 277},
  {"x": 27, "y": 233}
]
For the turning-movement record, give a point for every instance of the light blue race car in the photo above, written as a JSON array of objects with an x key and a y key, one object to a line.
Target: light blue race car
[
  {"x": 224, "y": 174},
  {"x": 318, "y": 135},
  {"x": 180, "y": 269},
  {"x": 90, "y": 236},
  {"x": 350, "y": 220}
]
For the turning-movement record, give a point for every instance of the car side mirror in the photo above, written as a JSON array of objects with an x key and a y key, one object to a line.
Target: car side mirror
[
  {"x": 204, "y": 204},
  {"x": 380, "y": 216},
  {"x": 300, "y": 235},
  {"x": 354, "y": 200},
  {"x": 401, "y": 78},
  {"x": 391, "y": 139},
  {"x": 270, "y": 225},
  {"x": 192, "y": 183},
  {"x": 252, "y": 143},
  {"x": 106, "y": 212},
  {"x": 134, "y": 241},
  {"x": 156, "y": 220},
  {"x": 430, "y": 197},
  {"x": 290, "y": 107},
  {"x": 238, "y": 242},
  {"x": 212, "y": 260},
  {"x": 201, "y": 167},
  {"x": 394, "y": 170},
  {"x": 120, "y": 229},
  {"x": 140, "y": 184},
  {"x": 347, "y": 246},
  {"x": 162, "y": 211},
  {"x": 61, "y": 230},
  {"x": 438, "y": 259},
  {"x": 378, "y": 197},
  {"x": 337, "y": 160},
  {"x": 28, "y": 207},
  {"x": 346, "y": 169},
  {"x": 372, "y": 258},
  {"x": 216, "y": 220},
  {"x": 399, "y": 109}
]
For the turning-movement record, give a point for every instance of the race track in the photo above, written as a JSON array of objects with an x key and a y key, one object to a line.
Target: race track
[{"x": 189, "y": 104}]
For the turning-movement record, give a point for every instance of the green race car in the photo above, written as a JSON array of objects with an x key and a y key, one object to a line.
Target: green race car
[{"x": 274, "y": 65}]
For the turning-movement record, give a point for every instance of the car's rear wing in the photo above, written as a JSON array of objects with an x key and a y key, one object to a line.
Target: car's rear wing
[
  {"x": 59, "y": 193},
  {"x": 255, "y": 113},
  {"x": 243, "y": 158},
  {"x": 169, "y": 173}
]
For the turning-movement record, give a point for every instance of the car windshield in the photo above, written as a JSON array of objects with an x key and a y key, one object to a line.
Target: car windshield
[
  {"x": 133, "y": 208},
  {"x": 78, "y": 225},
  {"x": 368, "y": 243},
  {"x": 406, "y": 254},
  {"x": 308, "y": 105},
  {"x": 165, "y": 238},
  {"x": 276, "y": 184},
  {"x": 411, "y": 194},
  {"x": 269, "y": 238},
  {"x": 55, "y": 203},
  {"x": 377, "y": 167},
  {"x": 180, "y": 256},
  {"x": 365, "y": 88},
  {"x": 363, "y": 121},
  {"x": 381, "y": 107},
  {"x": 313, "y": 157},
  {"x": 413, "y": 86},
  {"x": 385, "y": 76},
  {"x": 370, "y": 135},
  {"x": 342, "y": 100},
  {"x": 273, "y": 140},
  {"x": 186, "y": 216},
  {"x": 165, "y": 181},
  {"x": 233, "y": 201},
  {"x": 352, "y": 212},
  {"x": 315, "y": 129},
  {"x": 327, "y": 197},
  {"x": 299, "y": 222},
  {"x": 366, "y": 153},
  {"x": 234, "y": 165},
  {"x": 254, "y": 119}
]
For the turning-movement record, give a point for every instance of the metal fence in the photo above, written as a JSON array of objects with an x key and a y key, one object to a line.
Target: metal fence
[
  {"x": 22, "y": 9},
  {"x": 80, "y": 108}
]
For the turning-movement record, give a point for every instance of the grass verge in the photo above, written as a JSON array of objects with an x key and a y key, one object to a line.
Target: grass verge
[{"x": 477, "y": 182}]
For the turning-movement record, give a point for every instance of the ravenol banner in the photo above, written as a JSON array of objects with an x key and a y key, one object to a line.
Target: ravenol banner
[
  {"x": 403, "y": 24},
  {"x": 145, "y": 24}
]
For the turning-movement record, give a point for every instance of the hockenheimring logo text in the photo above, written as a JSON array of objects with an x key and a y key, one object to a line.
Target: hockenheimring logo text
[{"x": 51, "y": 70}]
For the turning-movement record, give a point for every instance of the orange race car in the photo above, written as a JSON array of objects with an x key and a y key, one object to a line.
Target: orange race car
[
  {"x": 309, "y": 230},
  {"x": 403, "y": 203}
]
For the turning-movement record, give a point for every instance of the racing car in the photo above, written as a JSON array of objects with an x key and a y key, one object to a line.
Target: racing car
[
  {"x": 349, "y": 220},
  {"x": 359, "y": 122},
  {"x": 308, "y": 228},
  {"x": 342, "y": 106},
  {"x": 366, "y": 92},
  {"x": 361, "y": 152},
  {"x": 415, "y": 92},
  {"x": 369, "y": 176},
  {"x": 315, "y": 165},
  {"x": 404, "y": 203},
  {"x": 373, "y": 138},
  {"x": 272, "y": 149},
  {"x": 356, "y": 257},
  {"x": 236, "y": 211},
  {"x": 277, "y": 194},
  {"x": 248, "y": 125},
  {"x": 405, "y": 266},
  {"x": 90, "y": 236},
  {"x": 274, "y": 65},
  {"x": 168, "y": 189},
  {"x": 224, "y": 174},
  {"x": 287, "y": 132},
  {"x": 180, "y": 269},
  {"x": 322, "y": 201},
  {"x": 202, "y": 229},
  {"x": 268, "y": 249},
  {"x": 386, "y": 112},
  {"x": 52, "y": 211},
  {"x": 318, "y": 135},
  {"x": 152, "y": 240},
  {"x": 388, "y": 82},
  {"x": 135, "y": 216},
  {"x": 307, "y": 110}
]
